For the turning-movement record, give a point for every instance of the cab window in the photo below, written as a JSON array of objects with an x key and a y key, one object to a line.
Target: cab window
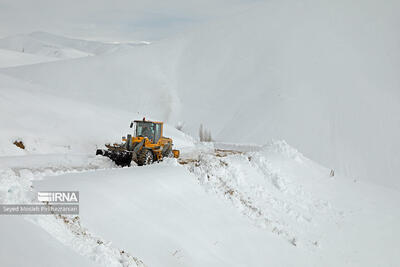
[{"x": 157, "y": 133}]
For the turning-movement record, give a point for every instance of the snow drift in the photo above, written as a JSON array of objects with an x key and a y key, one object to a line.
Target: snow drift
[{"x": 230, "y": 208}]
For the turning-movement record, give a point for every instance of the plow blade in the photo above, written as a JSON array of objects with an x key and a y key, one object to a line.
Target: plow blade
[
  {"x": 122, "y": 154},
  {"x": 120, "y": 157}
]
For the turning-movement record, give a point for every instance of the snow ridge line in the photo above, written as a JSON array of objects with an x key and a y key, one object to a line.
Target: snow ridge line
[
  {"x": 258, "y": 189},
  {"x": 214, "y": 174},
  {"x": 16, "y": 187}
]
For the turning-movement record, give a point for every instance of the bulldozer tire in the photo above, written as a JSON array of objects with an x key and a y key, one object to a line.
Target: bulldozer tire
[{"x": 145, "y": 157}]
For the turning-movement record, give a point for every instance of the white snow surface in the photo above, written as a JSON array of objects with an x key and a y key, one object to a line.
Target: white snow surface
[
  {"x": 225, "y": 209},
  {"x": 321, "y": 75},
  {"x": 24, "y": 244},
  {"x": 12, "y": 58},
  {"x": 60, "y": 47}
]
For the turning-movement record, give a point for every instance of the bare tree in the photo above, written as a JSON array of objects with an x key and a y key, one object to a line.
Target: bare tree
[
  {"x": 201, "y": 133},
  {"x": 204, "y": 134}
]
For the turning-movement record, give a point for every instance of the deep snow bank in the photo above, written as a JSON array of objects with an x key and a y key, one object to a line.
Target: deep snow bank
[
  {"x": 160, "y": 214},
  {"x": 166, "y": 216},
  {"x": 342, "y": 222}
]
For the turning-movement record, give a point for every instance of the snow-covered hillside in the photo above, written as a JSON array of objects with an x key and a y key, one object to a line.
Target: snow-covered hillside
[
  {"x": 329, "y": 88},
  {"x": 51, "y": 45},
  {"x": 12, "y": 58},
  {"x": 236, "y": 209},
  {"x": 323, "y": 76}
]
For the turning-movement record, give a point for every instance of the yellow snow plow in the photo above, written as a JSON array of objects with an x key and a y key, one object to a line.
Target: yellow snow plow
[{"x": 146, "y": 146}]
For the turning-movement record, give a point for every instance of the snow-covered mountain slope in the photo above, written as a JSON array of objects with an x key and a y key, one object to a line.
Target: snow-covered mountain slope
[
  {"x": 51, "y": 124},
  {"x": 215, "y": 209},
  {"x": 109, "y": 81},
  {"x": 29, "y": 44},
  {"x": 51, "y": 45},
  {"x": 271, "y": 72},
  {"x": 10, "y": 58},
  {"x": 320, "y": 75},
  {"x": 90, "y": 47}
]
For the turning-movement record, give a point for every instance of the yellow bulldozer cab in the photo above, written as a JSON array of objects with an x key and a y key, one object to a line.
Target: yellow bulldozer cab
[
  {"x": 152, "y": 130},
  {"x": 152, "y": 133}
]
